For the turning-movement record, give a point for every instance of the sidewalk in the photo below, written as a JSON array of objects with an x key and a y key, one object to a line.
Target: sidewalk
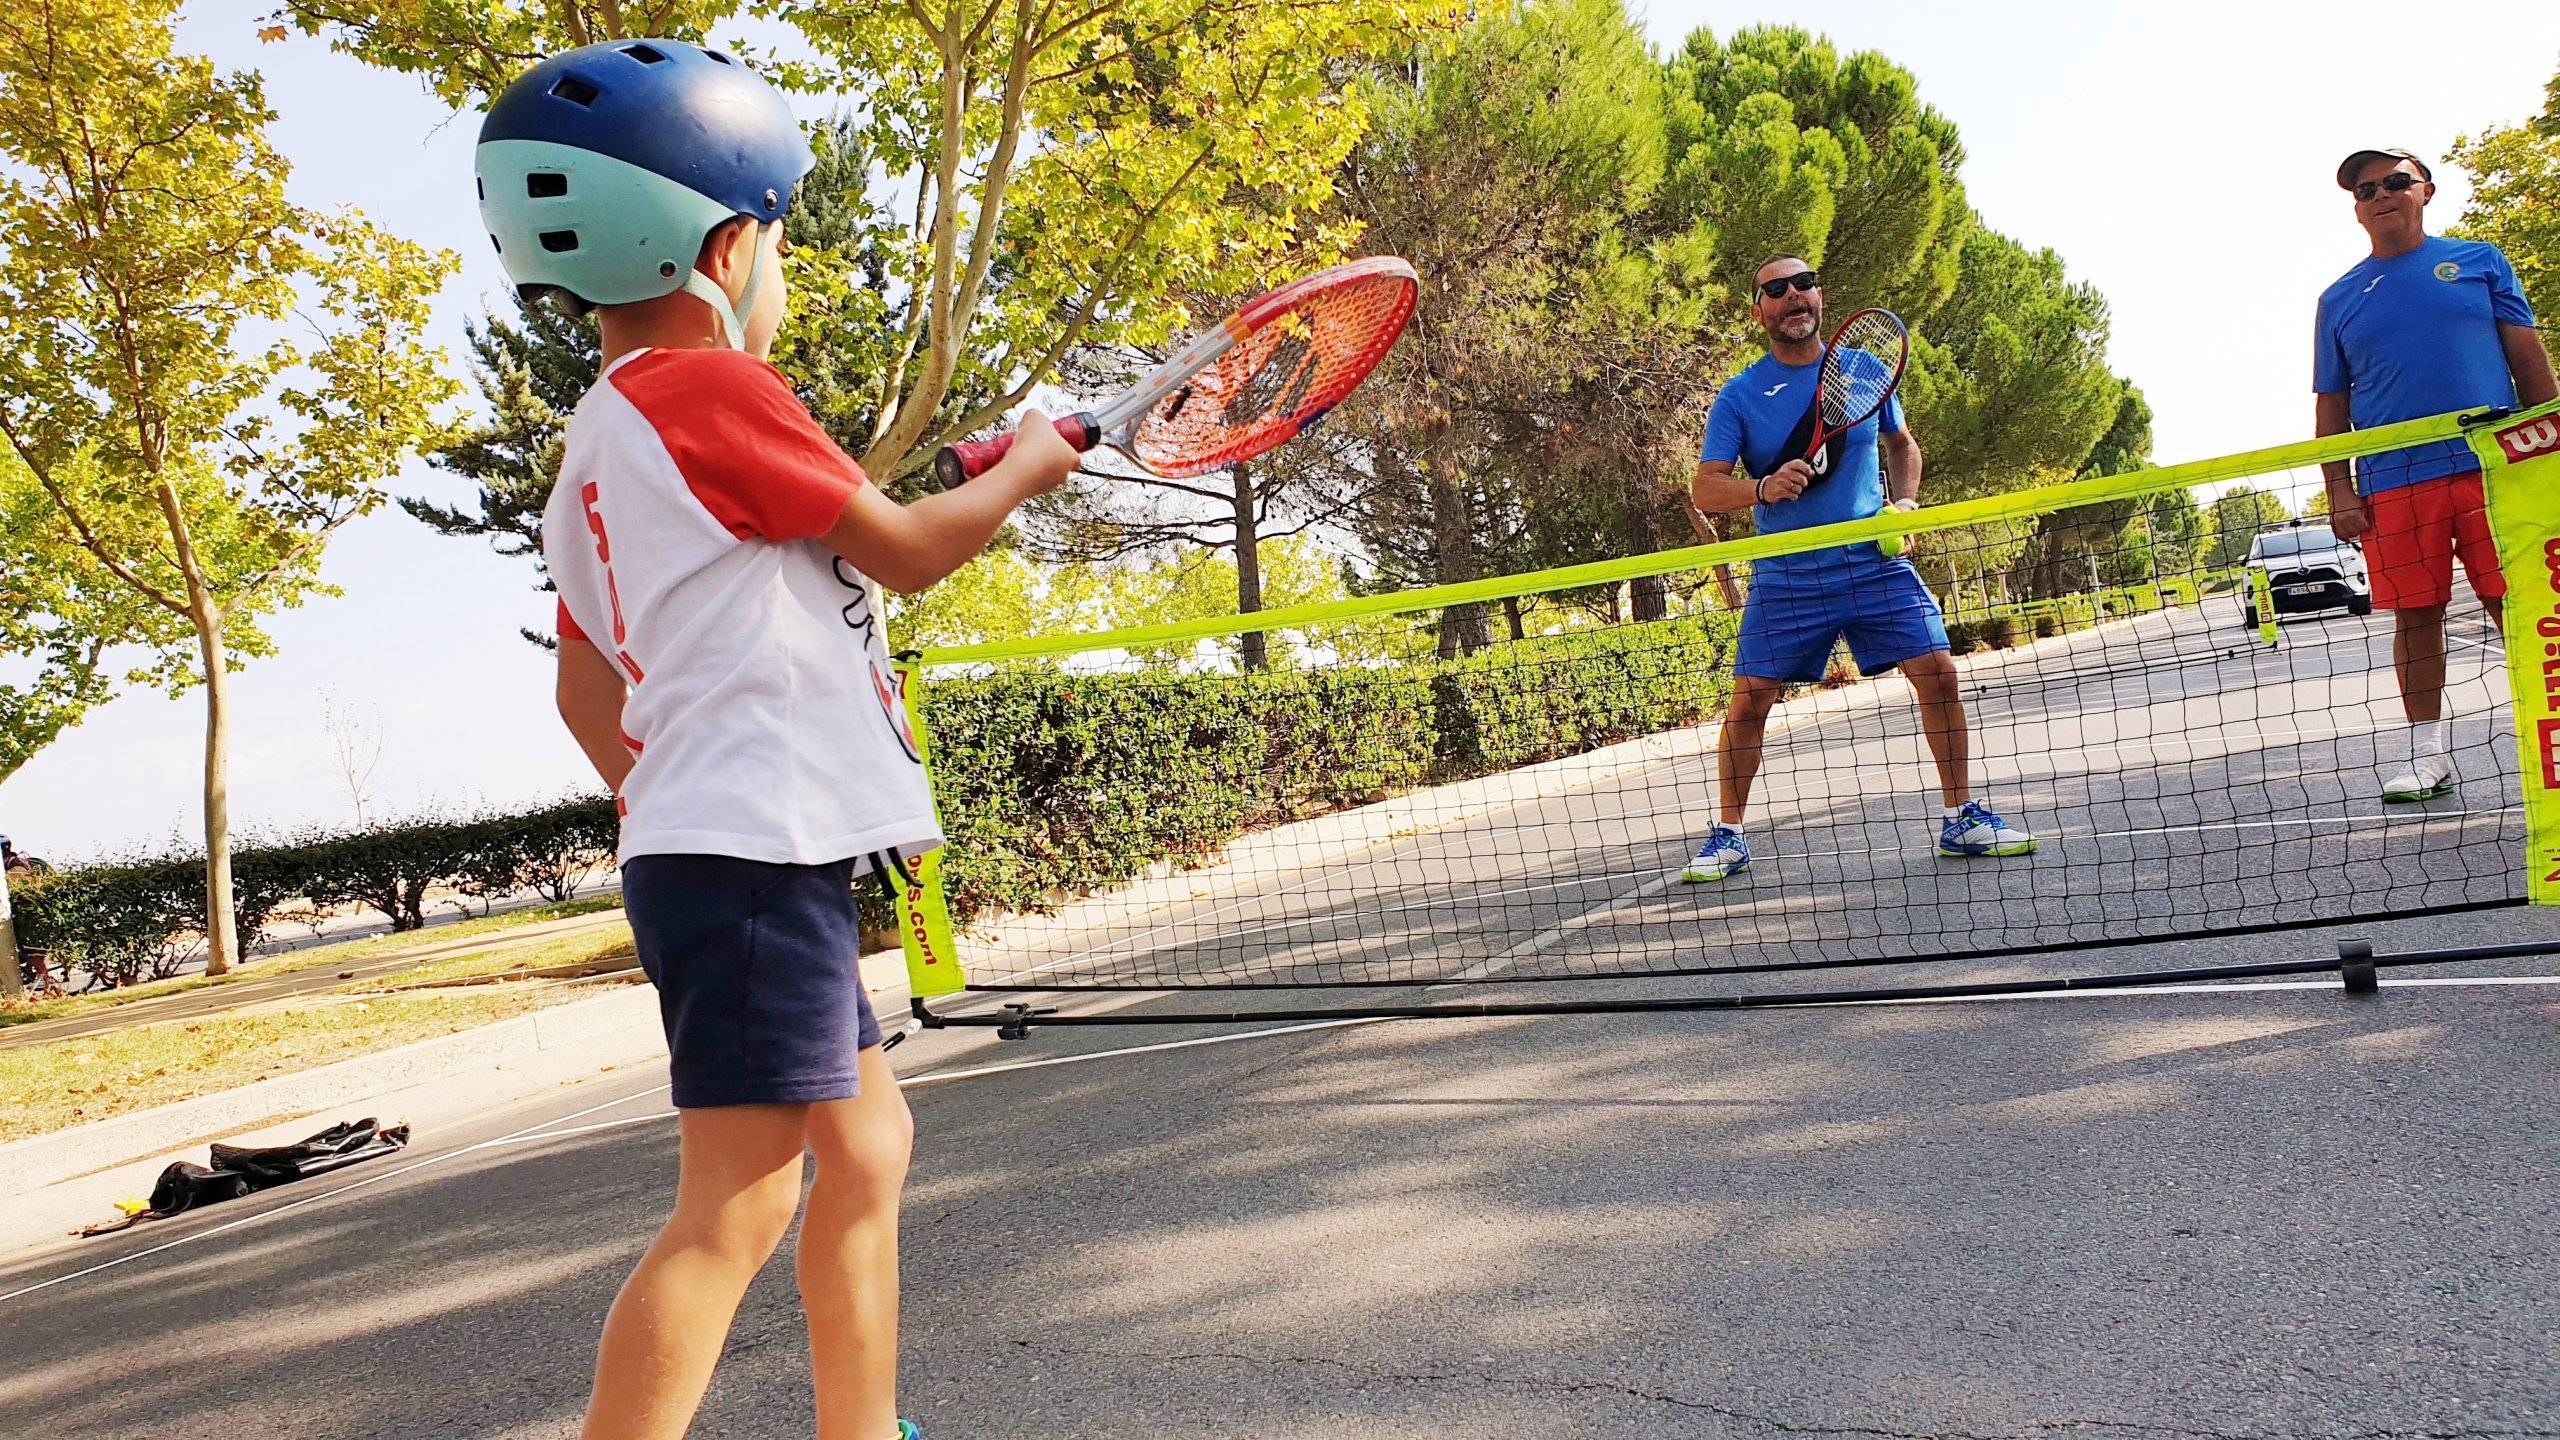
[{"x": 74, "y": 1177}]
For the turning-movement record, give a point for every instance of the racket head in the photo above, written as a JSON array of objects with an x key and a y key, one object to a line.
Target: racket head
[
  {"x": 1290, "y": 356},
  {"x": 1861, "y": 368}
]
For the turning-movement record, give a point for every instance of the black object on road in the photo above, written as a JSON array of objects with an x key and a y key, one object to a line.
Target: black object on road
[{"x": 239, "y": 1170}]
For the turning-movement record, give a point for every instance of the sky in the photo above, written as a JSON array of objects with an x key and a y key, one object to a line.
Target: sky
[{"x": 2177, "y": 154}]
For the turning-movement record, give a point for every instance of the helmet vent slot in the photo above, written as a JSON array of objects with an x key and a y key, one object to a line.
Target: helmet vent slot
[
  {"x": 575, "y": 90},
  {"x": 546, "y": 185},
  {"x": 716, "y": 55},
  {"x": 646, "y": 54},
  {"x": 559, "y": 242}
]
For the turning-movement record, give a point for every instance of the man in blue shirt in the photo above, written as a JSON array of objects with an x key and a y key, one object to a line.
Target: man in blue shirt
[
  {"x": 2422, "y": 326},
  {"x": 1803, "y": 604}
]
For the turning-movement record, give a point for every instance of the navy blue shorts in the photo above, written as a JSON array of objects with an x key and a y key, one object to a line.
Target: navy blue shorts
[
  {"x": 1881, "y": 605},
  {"x": 759, "y": 976}
]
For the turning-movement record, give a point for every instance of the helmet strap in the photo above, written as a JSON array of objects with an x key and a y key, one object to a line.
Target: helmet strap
[{"x": 732, "y": 317}]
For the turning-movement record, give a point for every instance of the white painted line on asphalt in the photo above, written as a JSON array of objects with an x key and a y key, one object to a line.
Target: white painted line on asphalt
[
  {"x": 2205, "y": 988},
  {"x": 939, "y": 1076},
  {"x": 1545, "y": 939},
  {"x": 547, "y": 1131},
  {"x": 293, "y": 1205}
]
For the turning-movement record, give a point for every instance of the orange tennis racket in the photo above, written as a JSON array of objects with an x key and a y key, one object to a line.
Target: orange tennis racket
[{"x": 1262, "y": 378}]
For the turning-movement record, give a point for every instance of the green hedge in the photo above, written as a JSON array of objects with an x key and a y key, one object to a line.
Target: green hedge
[
  {"x": 136, "y": 918},
  {"x": 1051, "y": 783}
]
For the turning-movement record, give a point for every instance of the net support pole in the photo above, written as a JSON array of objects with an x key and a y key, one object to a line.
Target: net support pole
[
  {"x": 2520, "y": 462},
  {"x": 2263, "y": 591},
  {"x": 924, "y": 919}
]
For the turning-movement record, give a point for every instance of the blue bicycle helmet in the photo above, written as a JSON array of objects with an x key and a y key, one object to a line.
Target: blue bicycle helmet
[{"x": 602, "y": 169}]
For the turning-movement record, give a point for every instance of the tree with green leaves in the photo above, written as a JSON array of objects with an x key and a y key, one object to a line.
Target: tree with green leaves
[
  {"x": 203, "y": 379},
  {"x": 2515, "y": 199},
  {"x": 1501, "y": 166},
  {"x": 1067, "y": 166},
  {"x": 61, "y": 612},
  {"x": 2236, "y": 518}
]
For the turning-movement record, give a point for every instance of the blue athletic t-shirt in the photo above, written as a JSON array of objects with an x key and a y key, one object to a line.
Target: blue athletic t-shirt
[
  {"x": 2417, "y": 335},
  {"x": 1755, "y": 414}
]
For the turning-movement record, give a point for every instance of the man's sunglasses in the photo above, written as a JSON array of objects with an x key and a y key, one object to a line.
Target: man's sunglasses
[
  {"x": 1801, "y": 281},
  {"x": 2395, "y": 182}
]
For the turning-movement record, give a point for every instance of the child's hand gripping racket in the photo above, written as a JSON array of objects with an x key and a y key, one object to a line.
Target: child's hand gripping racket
[
  {"x": 1861, "y": 368},
  {"x": 1271, "y": 371}
]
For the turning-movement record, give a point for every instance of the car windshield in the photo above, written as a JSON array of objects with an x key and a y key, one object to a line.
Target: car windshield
[{"x": 2282, "y": 544}]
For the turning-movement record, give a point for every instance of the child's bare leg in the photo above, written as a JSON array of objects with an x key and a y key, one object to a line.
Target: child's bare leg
[
  {"x": 849, "y": 1254},
  {"x": 738, "y": 1184}
]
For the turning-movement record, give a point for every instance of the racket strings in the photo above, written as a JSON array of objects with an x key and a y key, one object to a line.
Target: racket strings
[
  {"x": 1278, "y": 379},
  {"x": 1861, "y": 368}
]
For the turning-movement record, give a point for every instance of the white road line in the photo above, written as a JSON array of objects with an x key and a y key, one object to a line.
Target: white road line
[
  {"x": 939, "y": 1076},
  {"x": 1545, "y": 939},
  {"x": 2207, "y": 988},
  {"x": 546, "y": 1131},
  {"x": 290, "y": 1206}
]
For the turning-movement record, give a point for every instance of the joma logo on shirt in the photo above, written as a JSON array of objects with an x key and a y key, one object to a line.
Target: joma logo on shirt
[
  {"x": 2533, "y": 437},
  {"x": 1774, "y": 389}
]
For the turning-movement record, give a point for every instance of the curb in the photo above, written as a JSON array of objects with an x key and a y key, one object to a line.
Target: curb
[{"x": 626, "y": 1019}]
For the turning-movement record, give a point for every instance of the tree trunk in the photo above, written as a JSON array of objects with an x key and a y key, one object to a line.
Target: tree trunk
[
  {"x": 1649, "y": 597},
  {"x": 1257, "y": 652},
  {"x": 1463, "y": 628},
  {"x": 1511, "y": 617},
  {"x": 12, "y": 987},
  {"x": 221, "y": 934}
]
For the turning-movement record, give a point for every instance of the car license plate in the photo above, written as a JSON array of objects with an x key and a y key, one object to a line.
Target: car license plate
[{"x": 2304, "y": 589}]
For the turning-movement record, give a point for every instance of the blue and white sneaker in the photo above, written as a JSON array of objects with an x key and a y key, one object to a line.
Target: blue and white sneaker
[
  {"x": 1724, "y": 854},
  {"x": 1974, "y": 830},
  {"x": 907, "y": 1431}
]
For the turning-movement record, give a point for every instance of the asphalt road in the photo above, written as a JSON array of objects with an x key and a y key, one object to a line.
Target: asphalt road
[
  {"x": 2250, "y": 1212},
  {"x": 2265, "y": 1210}
]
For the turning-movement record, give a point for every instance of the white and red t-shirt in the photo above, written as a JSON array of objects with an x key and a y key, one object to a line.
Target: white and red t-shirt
[{"x": 685, "y": 536}]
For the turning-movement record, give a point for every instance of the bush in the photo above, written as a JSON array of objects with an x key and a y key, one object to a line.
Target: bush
[
  {"x": 130, "y": 919},
  {"x": 1054, "y": 784},
  {"x": 1050, "y": 784}
]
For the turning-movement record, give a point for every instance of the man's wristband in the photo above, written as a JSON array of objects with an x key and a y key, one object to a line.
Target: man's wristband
[{"x": 1759, "y": 491}]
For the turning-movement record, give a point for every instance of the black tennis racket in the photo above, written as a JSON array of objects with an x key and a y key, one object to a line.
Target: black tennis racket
[{"x": 1861, "y": 368}]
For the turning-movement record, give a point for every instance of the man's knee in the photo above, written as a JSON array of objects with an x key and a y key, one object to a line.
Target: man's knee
[
  {"x": 2419, "y": 619},
  {"x": 1753, "y": 698},
  {"x": 1933, "y": 674}
]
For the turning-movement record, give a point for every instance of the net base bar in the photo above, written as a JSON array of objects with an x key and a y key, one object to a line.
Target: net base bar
[{"x": 2356, "y": 965}]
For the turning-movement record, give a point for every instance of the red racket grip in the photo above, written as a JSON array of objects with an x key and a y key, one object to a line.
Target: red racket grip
[{"x": 972, "y": 458}]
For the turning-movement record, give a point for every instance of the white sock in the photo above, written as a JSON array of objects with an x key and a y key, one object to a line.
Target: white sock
[
  {"x": 1953, "y": 811},
  {"x": 2434, "y": 736}
]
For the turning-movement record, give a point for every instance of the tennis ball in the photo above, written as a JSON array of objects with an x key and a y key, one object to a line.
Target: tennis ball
[{"x": 1893, "y": 544}]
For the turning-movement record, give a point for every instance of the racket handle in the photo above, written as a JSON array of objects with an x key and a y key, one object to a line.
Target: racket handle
[{"x": 971, "y": 458}]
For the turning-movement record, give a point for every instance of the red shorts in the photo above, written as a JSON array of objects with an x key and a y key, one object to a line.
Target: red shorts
[{"x": 2419, "y": 531}]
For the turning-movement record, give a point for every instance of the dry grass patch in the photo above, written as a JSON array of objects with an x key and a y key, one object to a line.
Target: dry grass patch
[{"x": 62, "y": 1083}]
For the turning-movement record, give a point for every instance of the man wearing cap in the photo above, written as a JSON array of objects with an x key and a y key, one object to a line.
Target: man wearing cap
[{"x": 2422, "y": 326}]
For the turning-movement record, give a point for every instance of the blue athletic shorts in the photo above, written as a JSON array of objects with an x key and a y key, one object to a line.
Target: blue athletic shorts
[
  {"x": 1880, "y": 604},
  {"x": 759, "y": 976}
]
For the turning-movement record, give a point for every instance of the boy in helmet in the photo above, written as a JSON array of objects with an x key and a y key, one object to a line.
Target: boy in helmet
[{"x": 722, "y": 665}]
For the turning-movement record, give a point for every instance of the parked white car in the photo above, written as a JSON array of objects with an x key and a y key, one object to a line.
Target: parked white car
[{"x": 2307, "y": 568}]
